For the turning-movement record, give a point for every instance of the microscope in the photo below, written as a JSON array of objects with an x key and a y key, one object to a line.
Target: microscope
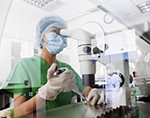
[
  {"x": 88, "y": 64},
  {"x": 85, "y": 51}
]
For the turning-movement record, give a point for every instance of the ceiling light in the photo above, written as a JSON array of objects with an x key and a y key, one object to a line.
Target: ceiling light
[
  {"x": 144, "y": 7},
  {"x": 40, "y": 3}
]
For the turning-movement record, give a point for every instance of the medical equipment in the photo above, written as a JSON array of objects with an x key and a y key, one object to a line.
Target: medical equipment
[
  {"x": 75, "y": 89},
  {"x": 59, "y": 71},
  {"x": 87, "y": 64}
]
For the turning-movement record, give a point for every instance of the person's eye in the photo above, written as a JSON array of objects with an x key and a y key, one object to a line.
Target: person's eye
[{"x": 53, "y": 30}]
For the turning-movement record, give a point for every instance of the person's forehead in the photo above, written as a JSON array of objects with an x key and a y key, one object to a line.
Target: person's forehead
[
  {"x": 54, "y": 27},
  {"x": 57, "y": 26}
]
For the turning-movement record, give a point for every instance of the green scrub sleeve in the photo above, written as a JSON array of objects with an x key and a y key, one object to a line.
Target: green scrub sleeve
[{"x": 17, "y": 81}]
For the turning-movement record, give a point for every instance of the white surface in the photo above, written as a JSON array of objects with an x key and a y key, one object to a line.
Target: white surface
[
  {"x": 4, "y": 5},
  {"x": 12, "y": 27},
  {"x": 124, "y": 42},
  {"x": 125, "y": 10},
  {"x": 147, "y": 57},
  {"x": 27, "y": 50},
  {"x": 5, "y": 58},
  {"x": 72, "y": 9}
]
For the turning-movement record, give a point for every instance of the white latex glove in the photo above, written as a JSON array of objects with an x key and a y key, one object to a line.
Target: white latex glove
[
  {"x": 6, "y": 113},
  {"x": 95, "y": 97},
  {"x": 63, "y": 82}
]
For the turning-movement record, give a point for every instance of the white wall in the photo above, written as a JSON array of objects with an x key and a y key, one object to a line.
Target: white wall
[
  {"x": 5, "y": 58},
  {"x": 5, "y": 44},
  {"x": 19, "y": 30},
  {"x": 4, "y": 5}
]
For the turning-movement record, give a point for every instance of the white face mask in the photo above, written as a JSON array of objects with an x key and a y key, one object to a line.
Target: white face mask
[
  {"x": 55, "y": 43},
  {"x": 108, "y": 71}
]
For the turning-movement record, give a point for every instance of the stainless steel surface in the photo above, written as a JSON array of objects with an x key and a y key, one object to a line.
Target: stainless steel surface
[
  {"x": 144, "y": 109},
  {"x": 142, "y": 86},
  {"x": 77, "y": 110},
  {"x": 81, "y": 110}
]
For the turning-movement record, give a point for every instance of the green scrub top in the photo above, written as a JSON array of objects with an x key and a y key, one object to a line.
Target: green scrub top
[{"x": 29, "y": 74}]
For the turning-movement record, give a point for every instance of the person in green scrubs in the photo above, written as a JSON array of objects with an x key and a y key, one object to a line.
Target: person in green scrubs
[{"x": 32, "y": 83}]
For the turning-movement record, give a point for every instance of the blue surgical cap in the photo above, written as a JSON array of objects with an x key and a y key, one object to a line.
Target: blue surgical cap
[{"x": 44, "y": 24}]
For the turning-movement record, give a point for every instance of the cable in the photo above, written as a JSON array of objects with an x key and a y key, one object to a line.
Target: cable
[{"x": 97, "y": 24}]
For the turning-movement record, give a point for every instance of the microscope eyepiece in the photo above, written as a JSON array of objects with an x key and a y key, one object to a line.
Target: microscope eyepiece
[{"x": 57, "y": 31}]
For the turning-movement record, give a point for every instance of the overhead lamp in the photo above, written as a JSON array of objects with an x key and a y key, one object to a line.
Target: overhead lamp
[
  {"x": 40, "y": 3},
  {"x": 144, "y": 7}
]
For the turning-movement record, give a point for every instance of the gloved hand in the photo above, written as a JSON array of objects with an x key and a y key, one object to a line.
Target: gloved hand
[
  {"x": 6, "y": 113},
  {"x": 95, "y": 97},
  {"x": 63, "y": 82}
]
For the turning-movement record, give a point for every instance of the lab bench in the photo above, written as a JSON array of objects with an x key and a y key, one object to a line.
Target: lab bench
[{"x": 82, "y": 110}]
